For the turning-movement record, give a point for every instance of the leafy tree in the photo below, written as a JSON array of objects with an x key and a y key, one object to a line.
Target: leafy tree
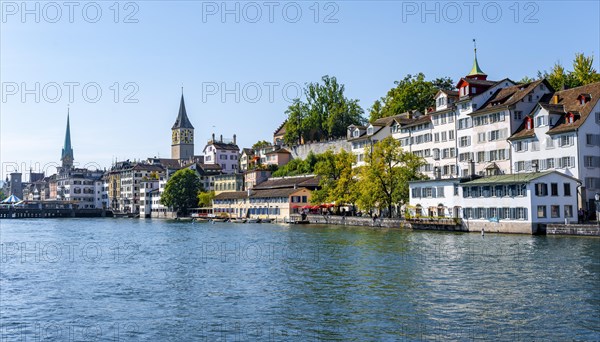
[
  {"x": 326, "y": 113},
  {"x": 298, "y": 166},
  {"x": 261, "y": 144},
  {"x": 384, "y": 180},
  {"x": 337, "y": 182},
  {"x": 205, "y": 198},
  {"x": 526, "y": 79},
  {"x": 411, "y": 93},
  {"x": 583, "y": 70},
  {"x": 583, "y": 73},
  {"x": 181, "y": 191}
]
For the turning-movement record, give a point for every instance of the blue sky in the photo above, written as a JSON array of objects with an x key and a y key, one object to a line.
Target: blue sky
[{"x": 366, "y": 45}]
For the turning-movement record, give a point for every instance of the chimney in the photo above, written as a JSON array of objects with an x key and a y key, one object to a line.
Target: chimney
[
  {"x": 555, "y": 99},
  {"x": 221, "y": 140},
  {"x": 234, "y": 142}
]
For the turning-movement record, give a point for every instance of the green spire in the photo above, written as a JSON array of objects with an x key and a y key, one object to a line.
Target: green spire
[
  {"x": 67, "y": 151},
  {"x": 476, "y": 70}
]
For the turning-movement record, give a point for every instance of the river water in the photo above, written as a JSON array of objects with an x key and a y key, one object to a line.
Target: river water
[{"x": 152, "y": 280}]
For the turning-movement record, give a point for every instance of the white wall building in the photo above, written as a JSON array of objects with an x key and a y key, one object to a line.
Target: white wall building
[
  {"x": 223, "y": 153},
  {"x": 562, "y": 133},
  {"x": 510, "y": 203}
]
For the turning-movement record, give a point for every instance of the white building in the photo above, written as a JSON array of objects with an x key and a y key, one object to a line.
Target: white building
[
  {"x": 510, "y": 203},
  {"x": 131, "y": 180},
  {"x": 362, "y": 137},
  {"x": 83, "y": 186},
  {"x": 495, "y": 120},
  {"x": 147, "y": 188},
  {"x": 224, "y": 153},
  {"x": 562, "y": 133}
]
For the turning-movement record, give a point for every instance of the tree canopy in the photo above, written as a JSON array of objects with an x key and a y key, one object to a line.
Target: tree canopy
[
  {"x": 326, "y": 113},
  {"x": 414, "y": 92},
  {"x": 205, "y": 198},
  {"x": 583, "y": 73},
  {"x": 298, "y": 166},
  {"x": 181, "y": 191},
  {"x": 383, "y": 182},
  {"x": 337, "y": 180},
  {"x": 260, "y": 144}
]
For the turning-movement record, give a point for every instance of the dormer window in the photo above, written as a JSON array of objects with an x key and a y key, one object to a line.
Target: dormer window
[
  {"x": 528, "y": 123},
  {"x": 570, "y": 118},
  {"x": 370, "y": 130},
  {"x": 473, "y": 90},
  {"x": 355, "y": 133},
  {"x": 584, "y": 98}
]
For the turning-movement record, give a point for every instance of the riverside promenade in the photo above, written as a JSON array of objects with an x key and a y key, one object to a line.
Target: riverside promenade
[{"x": 442, "y": 225}]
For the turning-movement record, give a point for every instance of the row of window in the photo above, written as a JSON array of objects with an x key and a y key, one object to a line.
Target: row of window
[
  {"x": 445, "y": 136},
  {"x": 545, "y": 164},
  {"x": 429, "y": 192},
  {"x": 554, "y": 211},
  {"x": 512, "y": 190},
  {"x": 499, "y": 213},
  {"x": 563, "y": 141},
  {"x": 488, "y": 119},
  {"x": 442, "y": 119},
  {"x": 299, "y": 199},
  {"x": 541, "y": 189}
]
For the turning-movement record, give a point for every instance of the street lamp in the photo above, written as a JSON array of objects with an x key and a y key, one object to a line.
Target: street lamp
[{"x": 597, "y": 202}]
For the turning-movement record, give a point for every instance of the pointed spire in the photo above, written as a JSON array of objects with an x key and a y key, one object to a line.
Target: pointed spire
[
  {"x": 476, "y": 70},
  {"x": 182, "y": 119},
  {"x": 67, "y": 151}
]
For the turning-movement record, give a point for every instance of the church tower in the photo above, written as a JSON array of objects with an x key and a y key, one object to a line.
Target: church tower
[
  {"x": 182, "y": 135},
  {"x": 67, "y": 151},
  {"x": 476, "y": 72}
]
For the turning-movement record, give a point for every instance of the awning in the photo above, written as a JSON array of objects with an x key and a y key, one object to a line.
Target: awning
[{"x": 11, "y": 199}]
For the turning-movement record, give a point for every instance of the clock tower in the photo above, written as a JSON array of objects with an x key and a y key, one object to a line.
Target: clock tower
[{"x": 182, "y": 135}]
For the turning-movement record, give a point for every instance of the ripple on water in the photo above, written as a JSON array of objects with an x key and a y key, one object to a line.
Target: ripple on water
[{"x": 174, "y": 281}]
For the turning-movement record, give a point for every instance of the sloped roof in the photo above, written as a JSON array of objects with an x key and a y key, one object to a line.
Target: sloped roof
[
  {"x": 232, "y": 195},
  {"x": 569, "y": 100},
  {"x": 279, "y": 150},
  {"x": 281, "y": 129},
  {"x": 288, "y": 182},
  {"x": 148, "y": 167},
  {"x": 420, "y": 120},
  {"x": 508, "y": 96},
  {"x": 182, "y": 120},
  {"x": 223, "y": 146},
  {"x": 285, "y": 192},
  {"x": 513, "y": 178}
]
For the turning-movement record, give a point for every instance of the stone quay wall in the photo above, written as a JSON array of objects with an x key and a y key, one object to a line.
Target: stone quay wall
[{"x": 573, "y": 229}]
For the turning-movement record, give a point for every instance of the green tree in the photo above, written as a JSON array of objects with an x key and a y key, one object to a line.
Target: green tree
[
  {"x": 326, "y": 113},
  {"x": 205, "y": 198},
  {"x": 337, "y": 180},
  {"x": 411, "y": 93},
  {"x": 583, "y": 73},
  {"x": 181, "y": 191},
  {"x": 583, "y": 70},
  {"x": 299, "y": 166},
  {"x": 384, "y": 180},
  {"x": 260, "y": 144}
]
